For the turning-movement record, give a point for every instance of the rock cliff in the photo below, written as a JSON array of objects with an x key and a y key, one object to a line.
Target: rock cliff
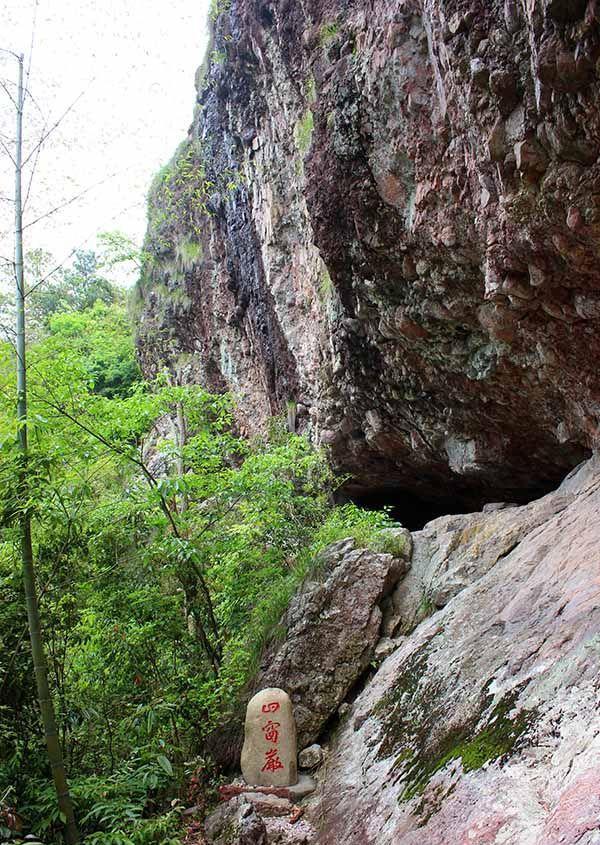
[
  {"x": 385, "y": 221},
  {"x": 386, "y": 217}
]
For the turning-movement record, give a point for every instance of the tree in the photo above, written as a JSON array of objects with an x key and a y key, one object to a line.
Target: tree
[{"x": 22, "y": 502}]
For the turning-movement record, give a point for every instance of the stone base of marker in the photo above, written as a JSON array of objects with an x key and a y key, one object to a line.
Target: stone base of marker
[
  {"x": 269, "y": 755},
  {"x": 241, "y": 821},
  {"x": 305, "y": 786}
]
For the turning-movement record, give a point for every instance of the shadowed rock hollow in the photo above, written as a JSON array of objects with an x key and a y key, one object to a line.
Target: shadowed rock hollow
[{"x": 396, "y": 229}]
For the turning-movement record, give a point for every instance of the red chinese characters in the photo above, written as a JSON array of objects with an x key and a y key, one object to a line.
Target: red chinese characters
[
  {"x": 271, "y": 733},
  {"x": 272, "y": 761}
]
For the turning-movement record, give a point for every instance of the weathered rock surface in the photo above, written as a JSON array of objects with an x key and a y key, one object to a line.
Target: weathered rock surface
[
  {"x": 483, "y": 726},
  {"x": 402, "y": 238},
  {"x": 236, "y": 822},
  {"x": 311, "y": 757},
  {"x": 452, "y": 552},
  {"x": 332, "y": 628},
  {"x": 281, "y": 832},
  {"x": 258, "y": 820}
]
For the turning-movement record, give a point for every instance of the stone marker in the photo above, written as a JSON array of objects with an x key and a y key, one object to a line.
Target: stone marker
[{"x": 269, "y": 752}]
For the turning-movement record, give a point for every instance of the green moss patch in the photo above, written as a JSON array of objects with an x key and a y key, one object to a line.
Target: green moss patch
[
  {"x": 413, "y": 711},
  {"x": 328, "y": 32},
  {"x": 497, "y": 740}
]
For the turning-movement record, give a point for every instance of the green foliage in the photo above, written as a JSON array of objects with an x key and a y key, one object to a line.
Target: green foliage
[
  {"x": 218, "y": 57},
  {"x": 350, "y": 521},
  {"x": 188, "y": 252},
  {"x": 117, "y": 248},
  {"x": 389, "y": 541},
  {"x": 303, "y": 132},
  {"x": 55, "y": 288},
  {"x": 426, "y": 606},
  {"x": 325, "y": 285},
  {"x": 177, "y": 211},
  {"x": 328, "y": 32},
  {"x": 99, "y": 340},
  {"x": 111, "y": 808},
  {"x": 167, "y": 550},
  {"x": 217, "y": 7},
  {"x": 177, "y": 200}
]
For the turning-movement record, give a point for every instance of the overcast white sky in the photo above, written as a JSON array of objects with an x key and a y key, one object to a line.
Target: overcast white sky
[{"x": 135, "y": 60}]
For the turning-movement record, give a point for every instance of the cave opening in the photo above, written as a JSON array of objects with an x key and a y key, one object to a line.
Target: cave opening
[
  {"x": 414, "y": 507},
  {"x": 412, "y": 511}
]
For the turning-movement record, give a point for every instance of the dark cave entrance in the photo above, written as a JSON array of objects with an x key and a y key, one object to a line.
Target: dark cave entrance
[
  {"x": 413, "y": 512},
  {"x": 414, "y": 506}
]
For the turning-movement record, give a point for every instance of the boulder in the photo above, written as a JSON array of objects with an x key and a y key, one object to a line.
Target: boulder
[
  {"x": 332, "y": 627},
  {"x": 311, "y": 757},
  {"x": 235, "y": 822}
]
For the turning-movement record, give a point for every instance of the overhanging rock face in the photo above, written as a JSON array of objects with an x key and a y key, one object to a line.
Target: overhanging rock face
[{"x": 402, "y": 236}]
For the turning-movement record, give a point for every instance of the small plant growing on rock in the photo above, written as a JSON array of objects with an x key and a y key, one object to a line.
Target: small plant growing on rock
[
  {"x": 217, "y": 7},
  {"x": 303, "y": 132},
  {"x": 328, "y": 32},
  {"x": 218, "y": 57},
  {"x": 325, "y": 285},
  {"x": 426, "y": 606},
  {"x": 178, "y": 198},
  {"x": 392, "y": 541}
]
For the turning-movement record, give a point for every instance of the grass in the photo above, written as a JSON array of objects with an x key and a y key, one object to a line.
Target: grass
[
  {"x": 325, "y": 285},
  {"x": 188, "y": 252}
]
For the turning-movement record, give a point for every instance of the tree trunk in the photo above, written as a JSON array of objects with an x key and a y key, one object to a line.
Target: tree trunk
[{"x": 33, "y": 617}]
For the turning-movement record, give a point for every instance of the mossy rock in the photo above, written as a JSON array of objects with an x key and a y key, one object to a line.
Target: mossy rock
[{"x": 413, "y": 711}]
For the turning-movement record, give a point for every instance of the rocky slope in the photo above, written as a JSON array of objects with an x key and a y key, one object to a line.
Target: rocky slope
[
  {"x": 386, "y": 217},
  {"x": 482, "y": 725}
]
